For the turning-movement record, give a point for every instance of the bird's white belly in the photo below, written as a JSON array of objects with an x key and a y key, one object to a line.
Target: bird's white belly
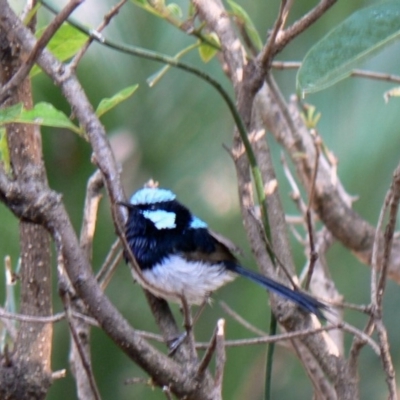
[{"x": 195, "y": 280}]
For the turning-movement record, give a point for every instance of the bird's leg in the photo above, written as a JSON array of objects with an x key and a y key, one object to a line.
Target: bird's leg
[
  {"x": 187, "y": 315},
  {"x": 188, "y": 323},
  {"x": 188, "y": 334},
  {"x": 174, "y": 343},
  {"x": 201, "y": 308}
]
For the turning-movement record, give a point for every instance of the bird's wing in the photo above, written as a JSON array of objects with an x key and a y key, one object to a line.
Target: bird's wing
[
  {"x": 226, "y": 242},
  {"x": 203, "y": 245}
]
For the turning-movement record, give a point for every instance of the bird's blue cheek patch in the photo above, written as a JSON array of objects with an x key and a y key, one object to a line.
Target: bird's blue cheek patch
[
  {"x": 161, "y": 219},
  {"x": 197, "y": 223}
]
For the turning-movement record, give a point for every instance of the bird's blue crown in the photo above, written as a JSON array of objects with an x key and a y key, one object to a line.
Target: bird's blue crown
[{"x": 152, "y": 196}]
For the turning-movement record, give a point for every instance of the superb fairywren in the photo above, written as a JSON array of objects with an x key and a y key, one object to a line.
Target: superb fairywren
[{"x": 179, "y": 256}]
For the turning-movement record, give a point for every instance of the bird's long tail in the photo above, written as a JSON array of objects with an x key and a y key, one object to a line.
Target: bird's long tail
[{"x": 304, "y": 300}]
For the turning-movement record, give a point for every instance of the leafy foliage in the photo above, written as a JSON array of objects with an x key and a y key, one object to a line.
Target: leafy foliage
[
  {"x": 4, "y": 153},
  {"x": 41, "y": 114},
  {"x": 244, "y": 19},
  {"x": 64, "y": 44},
  {"x": 356, "y": 39},
  {"x": 206, "y": 51},
  {"x": 108, "y": 103}
]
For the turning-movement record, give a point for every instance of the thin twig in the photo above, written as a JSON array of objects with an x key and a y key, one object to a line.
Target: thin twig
[
  {"x": 64, "y": 286},
  {"x": 205, "y": 361},
  {"x": 28, "y": 318},
  {"x": 266, "y": 53},
  {"x": 296, "y": 335},
  {"x": 220, "y": 356},
  {"x": 358, "y": 73},
  {"x": 296, "y": 194},
  {"x": 41, "y": 43},
  {"x": 302, "y": 24},
  {"x": 378, "y": 286},
  {"x": 136, "y": 380},
  {"x": 106, "y": 20},
  {"x": 389, "y": 233},
  {"x": 85, "y": 362},
  {"x": 268, "y": 245},
  {"x": 151, "y": 336},
  {"x": 46, "y": 320},
  {"x": 241, "y": 320},
  {"x": 387, "y": 246},
  {"x": 323, "y": 389},
  {"x": 362, "y": 335},
  {"x": 80, "y": 352},
  {"x": 386, "y": 358},
  {"x": 376, "y": 251},
  {"x": 310, "y": 227},
  {"x": 110, "y": 264},
  {"x": 92, "y": 200},
  {"x": 376, "y": 75}
]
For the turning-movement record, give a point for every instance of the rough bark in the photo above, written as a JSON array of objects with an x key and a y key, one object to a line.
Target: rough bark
[{"x": 27, "y": 374}]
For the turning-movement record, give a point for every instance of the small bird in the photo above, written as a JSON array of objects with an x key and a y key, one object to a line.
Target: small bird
[{"x": 179, "y": 256}]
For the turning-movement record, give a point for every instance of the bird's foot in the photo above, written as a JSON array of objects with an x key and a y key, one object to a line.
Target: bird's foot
[{"x": 174, "y": 343}]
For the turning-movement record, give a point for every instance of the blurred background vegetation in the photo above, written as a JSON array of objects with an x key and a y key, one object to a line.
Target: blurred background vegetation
[{"x": 176, "y": 131}]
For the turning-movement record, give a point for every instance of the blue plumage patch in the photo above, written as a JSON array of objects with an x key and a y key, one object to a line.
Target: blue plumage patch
[
  {"x": 161, "y": 219},
  {"x": 197, "y": 223},
  {"x": 152, "y": 196}
]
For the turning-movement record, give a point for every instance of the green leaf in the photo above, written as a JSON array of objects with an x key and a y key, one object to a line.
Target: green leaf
[
  {"x": 356, "y": 39},
  {"x": 41, "y": 114},
  {"x": 206, "y": 51},
  {"x": 309, "y": 116},
  {"x": 242, "y": 16},
  {"x": 4, "y": 154},
  {"x": 46, "y": 114},
  {"x": 66, "y": 42},
  {"x": 109, "y": 103},
  {"x": 175, "y": 10},
  {"x": 10, "y": 114}
]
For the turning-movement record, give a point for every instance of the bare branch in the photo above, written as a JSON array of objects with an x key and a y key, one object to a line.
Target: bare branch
[
  {"x": 310, "y": 227},
  {"x": 359, "y": 73},
  {"x": 302, "y": 24},
  {"x": 220, "y": 356},
  {"x": 389, "y": 234},
  {"x": 80, "y": 354},
  {"x": 208, "y": 354},
  {"x": 92, "y": 200},
  {"x": 266, "y": 53},
  {"x": 241, "y": 320},
  {"x": 23, "y": 71},
  {"x": 110, "y": 264},
  {"x": 106, "y": 20},
  {"x": 83, "y": 354},
  {"x": 297, "y": 335}
]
